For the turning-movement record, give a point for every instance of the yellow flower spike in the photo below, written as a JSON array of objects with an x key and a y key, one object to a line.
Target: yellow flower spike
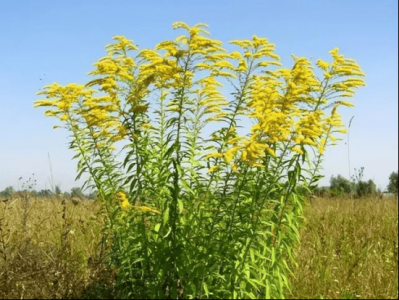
[
  {"x": 40, "y": 103},
  {"x": 179, "y": 24},
  {"x": 297, "y": 149},
  {"x": 122, "y": 199},
  {"x": 322, "y": 64},
  {"x": 342, "y": 130},
  {"x": 234, "y": 167},
  {"x": 213, "y": 169},
  {"x": 320, "y": 149},
  {"x": 125, "y": 205},
  {"x": 124, "y": 44},
  {"x": 214, "y": 155},
  {"x": 229, "y": 155},
  {"x": 146, "y": 126},
  {"x": 345, "y": 103},
  {"x": 271, "y": 152},
  {"x": 148, "y": 209},
  {"x": 244, "y": 155},
  {"x": 139, "y": 109},
  {"x": 51, "y": 113}
]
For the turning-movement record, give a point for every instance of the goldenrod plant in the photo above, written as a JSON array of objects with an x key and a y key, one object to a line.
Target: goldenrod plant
[{"x": 192, "y": 215}]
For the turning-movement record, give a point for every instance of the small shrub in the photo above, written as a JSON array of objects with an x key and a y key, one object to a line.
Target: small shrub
[
  {"x": 366, "y": 188},
  {"x": 393, "y": 183},
  {"x": 341, "y": 185},
  {"x": 77, "y": 192},
  {"x": 8, "y": 191}
]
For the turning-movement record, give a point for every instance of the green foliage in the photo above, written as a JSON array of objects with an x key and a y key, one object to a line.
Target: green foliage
[
  {"x": 341, "y": 185},
  {"x": 337, "y": 192},
  {"x": 57, "y": 190},
  {"x": 45, "y": 193},
  {"x": 8, "y": 191},
  {"x": 77, "y": 192},
  {"x": 365, "y": 188},
  {"x": 322, "y": 191},
  {"x": 393, "y": 183},
  {"x": 195, "y": 217},
  {"x": 91, "y": 195}
]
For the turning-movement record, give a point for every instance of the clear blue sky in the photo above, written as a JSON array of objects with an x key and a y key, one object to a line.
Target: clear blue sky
[{"x": 57, "y": 41}]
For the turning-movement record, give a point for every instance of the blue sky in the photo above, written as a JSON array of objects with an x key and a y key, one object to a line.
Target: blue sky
[{"x": 57, "y": 41}]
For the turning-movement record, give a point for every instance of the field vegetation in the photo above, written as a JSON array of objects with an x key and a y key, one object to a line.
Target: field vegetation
[
  {"x": 348, "y": 249},
  {"x": 190, "y": 203}
]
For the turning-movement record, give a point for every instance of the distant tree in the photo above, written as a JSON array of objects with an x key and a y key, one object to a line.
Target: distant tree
[
  {"x": 341, "y": 185},
  {"x": 8, "y": 191},
  {"x": 77, "y": 192},
  {"x": 365, "y": 188},
  {"x": 57, "y": 190},
  {"x": 91, "y": 195},
  {"x": 322, "y": 191},
  {"x": 393, "y": 183},
  {"x": 45, "y": 193}
]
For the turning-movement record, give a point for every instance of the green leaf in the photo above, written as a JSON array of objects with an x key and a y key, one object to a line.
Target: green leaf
[
  {"x": 166, "y": 216},
  {"x": 206, "y": 289}
]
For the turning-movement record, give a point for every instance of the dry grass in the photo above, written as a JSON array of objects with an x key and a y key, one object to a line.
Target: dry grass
[
  {"x": 49, "y": 248},
  {"x": 349, "y": 250}
]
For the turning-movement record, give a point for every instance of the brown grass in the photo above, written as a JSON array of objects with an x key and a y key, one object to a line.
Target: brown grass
[
  {"x": 349, "y": 249},
  {"x": 58, "y": 255}
]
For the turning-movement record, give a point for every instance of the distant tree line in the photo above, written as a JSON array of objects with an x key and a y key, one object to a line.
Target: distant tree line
[
  {"x": 74, "y": 192},
  {"x": 339, "y": 185}
]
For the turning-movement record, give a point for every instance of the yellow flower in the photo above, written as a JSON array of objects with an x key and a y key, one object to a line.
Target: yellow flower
[
  {"x": 234, "y": 167},
  {"x": 297, "y": 149},
  {"x": 345, "y": 103},
  {"x": 121, "y": 197},
  {"x": 212, "y": 155},
  {"x": 125, "y": 205},
  {"x": 146, "y": 126},
  {"x": 139, "y": 109},
  {"x": 213, "y": 169},
  {"x": 148, "y": 209},
  {"x": 64, "y": 117},
  {"x": 322, "y": 64}
]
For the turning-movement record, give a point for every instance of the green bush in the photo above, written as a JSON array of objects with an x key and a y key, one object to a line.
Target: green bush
[
  {"x": 77, "y": 192},
  {"x": 365, "y": 188},
  {"x": 393, "y": 183},
  {"x": 341, "y": 185},
  {"x": 8, "y": 191}
]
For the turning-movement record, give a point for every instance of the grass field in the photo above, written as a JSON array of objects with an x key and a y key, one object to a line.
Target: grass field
[{"x": 53, "y": 248}]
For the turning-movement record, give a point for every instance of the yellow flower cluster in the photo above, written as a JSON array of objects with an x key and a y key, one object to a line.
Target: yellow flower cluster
[
  {"x": 144, "y": 208},
  {"x": 211, "y": 98},
  {"x": 122, "y": 200},
  {"x": 344, "y": 74},
  {"x": 63, "y": 97},
  {"x": 286, "y": 105},
  {"x": 309, "y": 128}
]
